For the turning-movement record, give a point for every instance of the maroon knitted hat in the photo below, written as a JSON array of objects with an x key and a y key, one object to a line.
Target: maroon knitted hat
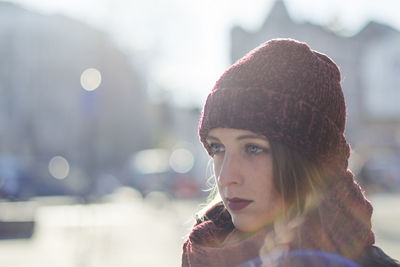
[{"x": 288, "y": 93}]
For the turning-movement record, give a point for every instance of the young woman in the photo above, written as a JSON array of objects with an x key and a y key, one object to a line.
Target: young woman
[{"x": 274, "y": 126}]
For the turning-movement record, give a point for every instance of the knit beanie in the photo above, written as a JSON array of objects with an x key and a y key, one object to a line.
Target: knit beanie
[{"x": 288, "y": 93}]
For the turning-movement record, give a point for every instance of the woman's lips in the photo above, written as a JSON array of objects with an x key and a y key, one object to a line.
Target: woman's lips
[{"x": 236, "y": 204}]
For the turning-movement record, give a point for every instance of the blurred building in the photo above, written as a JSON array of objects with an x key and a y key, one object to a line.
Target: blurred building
[
  {"x": 370, "y": 67},
  {"x": 46, "y": 61}
]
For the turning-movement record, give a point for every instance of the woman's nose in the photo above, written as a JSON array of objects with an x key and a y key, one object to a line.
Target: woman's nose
[{"x": 229, "y": 171}]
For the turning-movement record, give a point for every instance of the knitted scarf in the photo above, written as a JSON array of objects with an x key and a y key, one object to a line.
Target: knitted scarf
[{"x": 341, "y": 224}]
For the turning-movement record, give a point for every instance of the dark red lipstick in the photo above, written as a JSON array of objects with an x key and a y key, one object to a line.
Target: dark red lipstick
[{"x": 236, "y": 204}]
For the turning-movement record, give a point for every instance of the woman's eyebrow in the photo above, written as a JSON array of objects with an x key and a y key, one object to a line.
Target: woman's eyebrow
[{"x": 211, "y": 138}]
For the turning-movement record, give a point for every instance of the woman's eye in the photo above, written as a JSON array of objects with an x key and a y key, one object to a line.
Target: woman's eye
[
  {"x": 216, "y": 148},
  {"x": 254, "y": 149}
]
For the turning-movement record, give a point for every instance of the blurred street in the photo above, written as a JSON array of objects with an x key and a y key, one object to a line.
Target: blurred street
[
  {"x": 124, "y": 231},
  {"x": 127, "y": 230},
  {"x": 386, "y": 222}
]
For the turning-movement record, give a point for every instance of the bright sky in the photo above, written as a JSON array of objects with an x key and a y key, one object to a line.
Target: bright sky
[{"x": 183, "y": 46}]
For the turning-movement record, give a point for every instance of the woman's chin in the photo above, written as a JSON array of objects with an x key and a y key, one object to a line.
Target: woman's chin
[
  {"x": 248, "y": 224},
  {"x": 245, "y": 225}
]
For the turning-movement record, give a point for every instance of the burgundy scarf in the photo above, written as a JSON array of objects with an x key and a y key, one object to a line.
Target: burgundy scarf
[{"x": 341, "y": 224}]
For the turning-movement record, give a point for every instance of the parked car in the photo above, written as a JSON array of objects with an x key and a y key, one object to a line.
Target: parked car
[
  {"x": 381, "y": 173},
  {"x": 150, "y": 170}
]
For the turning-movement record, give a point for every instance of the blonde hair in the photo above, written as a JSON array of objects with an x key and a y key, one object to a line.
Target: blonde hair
[
  {"x": 301, "y": 184},
  {"x": 213, "y": 198}
]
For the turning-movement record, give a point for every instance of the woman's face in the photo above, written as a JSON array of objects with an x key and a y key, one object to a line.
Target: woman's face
[{"x": 244, "y": 175}]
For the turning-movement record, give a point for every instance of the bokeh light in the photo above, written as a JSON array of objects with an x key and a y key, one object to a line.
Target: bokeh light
[
  {"x": 59, "y": 167},
  {"x": 181, "y": 160},
  {"x": 90, "y": 79},
  {"x": 152, "y": 161}
]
